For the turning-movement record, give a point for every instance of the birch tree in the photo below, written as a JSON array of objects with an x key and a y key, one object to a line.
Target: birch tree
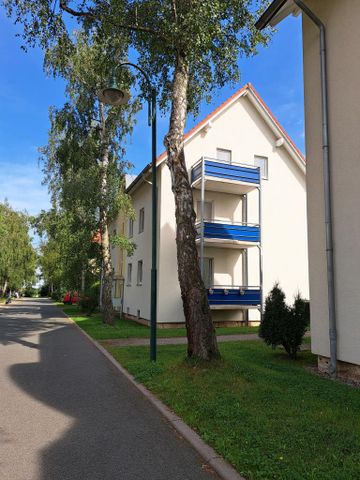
[
  {"x": 189, "y": 48},
  {"x": 84, "y": 160}
]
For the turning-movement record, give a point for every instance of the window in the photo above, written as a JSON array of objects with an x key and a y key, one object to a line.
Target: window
[
  {"x": 118, "y": 288},
  {"x": 223, "y": 155},
  {"x": 131, "y": 227},
  {"x": 141, "y": 220},
  {"x": 129, "y": 274},
  {"x": 207, "y": 210},
  {"x": 140, "y": 272},
  {"x": 208, "y": 272},
  {"x": 262, "y": 162}
]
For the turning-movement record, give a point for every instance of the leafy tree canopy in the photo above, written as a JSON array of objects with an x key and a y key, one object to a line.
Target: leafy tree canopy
[
  {"x": 212, "y": 35},
  {"x": 17, "y": 255}
]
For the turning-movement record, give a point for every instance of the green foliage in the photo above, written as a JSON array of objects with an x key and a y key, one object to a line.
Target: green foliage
[
  {"x": 284, "y": 325},
  {"x": 89, "y": 301},
  {"x": 212, "y": 36},
  {"x": 17, "y": 255},
  {"x": 65, "y": 250},
  {"x": 124, "y": 243},
  {"x": 45, "y": 290},
  {"x": 30, "y": 291}
]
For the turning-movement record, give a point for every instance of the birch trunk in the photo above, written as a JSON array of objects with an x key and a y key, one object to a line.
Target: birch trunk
[
  {"x": 107, "y": 273},
  {"x": 201, "y": 335}
]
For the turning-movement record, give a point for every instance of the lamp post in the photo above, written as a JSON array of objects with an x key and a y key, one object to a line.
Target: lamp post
[{"x": 113, "y": 95}]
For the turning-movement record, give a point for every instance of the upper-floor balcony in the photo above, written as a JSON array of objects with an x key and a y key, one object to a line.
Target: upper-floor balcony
[
  {"x": 226, "y": 177},
  {"x": 229, "y": 234},
  {"x": 232, "y": 297}
]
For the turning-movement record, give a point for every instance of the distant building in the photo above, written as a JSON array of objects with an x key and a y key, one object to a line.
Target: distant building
[
  {"x": 341, "y": 23},
  {"x": 235, "y": 156}
]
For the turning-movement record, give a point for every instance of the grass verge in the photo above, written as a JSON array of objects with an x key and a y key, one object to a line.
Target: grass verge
[
  {"x": 126, "y": 329},
  {"x": 266, "y": 414}
]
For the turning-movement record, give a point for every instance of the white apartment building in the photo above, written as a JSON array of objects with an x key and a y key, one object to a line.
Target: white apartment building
[{"x": 248, "y": 181}]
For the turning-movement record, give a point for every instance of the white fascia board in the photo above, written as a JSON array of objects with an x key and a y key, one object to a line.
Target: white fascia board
[{"x": 289, "y": 8}]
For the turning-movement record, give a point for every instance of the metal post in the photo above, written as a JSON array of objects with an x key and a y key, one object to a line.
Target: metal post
[
  {"x": 245, "y": 257},
  {"x": 260, "y": 252},
  {"x": 202, "y": 217},
  {"x": 153, "y": 315}
]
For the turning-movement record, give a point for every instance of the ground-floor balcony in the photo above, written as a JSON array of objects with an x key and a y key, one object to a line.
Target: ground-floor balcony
[
  {"x": 234, "y": 297},
  {"x": 220, "y": 176},
  {"x": 229, "y": 235}
]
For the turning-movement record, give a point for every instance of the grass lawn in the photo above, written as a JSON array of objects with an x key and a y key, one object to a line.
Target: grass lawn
[
  {"x": 265, "y": 413},
  {"x": 2, "y": 299},
  {"x": 126, "y": 329}
]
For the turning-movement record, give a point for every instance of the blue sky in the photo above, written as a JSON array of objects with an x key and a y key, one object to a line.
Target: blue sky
[{"x": 26, "y": 94}]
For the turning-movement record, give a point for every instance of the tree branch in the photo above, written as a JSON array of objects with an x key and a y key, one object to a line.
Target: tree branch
[
  {"x": 89, "y": 14},
  {"x": 173, "y": 4},
  {"x": 64, "y": 6}
]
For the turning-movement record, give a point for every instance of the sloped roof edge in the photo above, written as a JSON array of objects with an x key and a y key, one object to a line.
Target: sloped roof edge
[{"x": 259, "y": 104}]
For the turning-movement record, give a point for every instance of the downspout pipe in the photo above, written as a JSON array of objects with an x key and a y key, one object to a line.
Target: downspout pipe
[{"x": 327, "y": 189}]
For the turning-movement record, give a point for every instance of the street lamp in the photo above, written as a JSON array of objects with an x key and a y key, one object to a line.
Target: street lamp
[{"x": 113, "y": 95}]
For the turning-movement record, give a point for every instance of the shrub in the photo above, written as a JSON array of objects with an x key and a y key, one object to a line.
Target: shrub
[
  {"x": 30, "y": 291},
  {"x": 44, "y": 290},
  {"x": 276, "y": 314},
  {"x": 295, "y": 328},
  {"x": 89, "y": 301},
  {"x": 284, "y": 325}
]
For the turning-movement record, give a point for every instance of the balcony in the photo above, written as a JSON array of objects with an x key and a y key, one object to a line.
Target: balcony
[
  {"x": 229, "y": 235},
  {"x": 231, "y": 297},
  {"x": 225, "y": 177}
]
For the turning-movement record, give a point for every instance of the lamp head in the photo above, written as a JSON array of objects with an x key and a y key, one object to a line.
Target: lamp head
[{"x": 113, "y": 95}]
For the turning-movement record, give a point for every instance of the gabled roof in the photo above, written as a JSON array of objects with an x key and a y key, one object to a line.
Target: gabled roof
[{"x": 261, "y": 107}]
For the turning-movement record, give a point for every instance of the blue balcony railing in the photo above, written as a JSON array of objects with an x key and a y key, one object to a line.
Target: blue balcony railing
[
  {"x": 226, "y": 171},
  {"x": 242, "y": 232},
  {"x": 234, "y": 296}
]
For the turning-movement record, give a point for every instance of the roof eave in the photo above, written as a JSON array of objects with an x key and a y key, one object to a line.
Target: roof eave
[{"x": 276, "y": 11}]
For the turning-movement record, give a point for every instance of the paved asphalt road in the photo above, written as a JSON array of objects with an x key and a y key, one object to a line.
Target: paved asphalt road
[{"x": 66, "y": 413}]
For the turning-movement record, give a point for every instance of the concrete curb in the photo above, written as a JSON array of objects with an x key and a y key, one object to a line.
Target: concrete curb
[{"x": 217, "y": 463}]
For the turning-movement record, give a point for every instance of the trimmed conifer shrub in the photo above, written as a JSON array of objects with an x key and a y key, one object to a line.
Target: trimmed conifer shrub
[
  {"x": 284, "y": 325},
  {"x": 294, "y": 329},
  {"x": 276, "y": 314}
]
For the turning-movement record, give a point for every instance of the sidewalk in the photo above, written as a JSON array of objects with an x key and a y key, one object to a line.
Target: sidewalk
[
  {"x": 128, "y": 342},
  {"x": 68, "y": 414}
]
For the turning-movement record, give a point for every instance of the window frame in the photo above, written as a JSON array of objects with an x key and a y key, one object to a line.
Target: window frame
[
  {"x": 131, "y": 227},
  {"x": 142, "y": 220},
  {"x": 139, "y": 281},
  {"x": 264, "y": 172},
  {"x": 129, "y": 275},
  {"x": 210, "y": 261},
  {"x": 198, "y": 210},
  {"x": 224, "y": 150},
  {"x": 118, "y": 291}
]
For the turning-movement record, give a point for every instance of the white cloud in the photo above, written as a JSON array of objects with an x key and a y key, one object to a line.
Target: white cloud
[{"x": 20, "y": 184}]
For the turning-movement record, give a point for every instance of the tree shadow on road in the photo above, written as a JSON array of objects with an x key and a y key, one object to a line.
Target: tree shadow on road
[
  {"x": 115, "y": 433},
  {"x": 19, "y": 322}
]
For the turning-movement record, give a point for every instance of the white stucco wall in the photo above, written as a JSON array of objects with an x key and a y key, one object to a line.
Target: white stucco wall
[
  {"x": 241, "y": 130},
  {"x": 137, "y": 297},
  {"x": 341, "y": 19}
]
